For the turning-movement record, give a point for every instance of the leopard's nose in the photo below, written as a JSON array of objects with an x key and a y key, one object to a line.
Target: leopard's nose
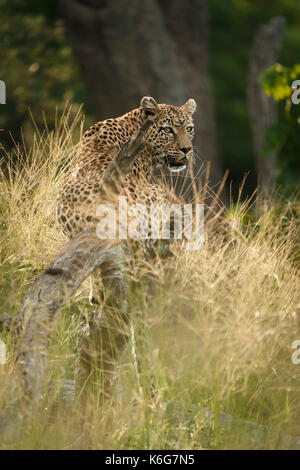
[{"x": 185, "y": 149}]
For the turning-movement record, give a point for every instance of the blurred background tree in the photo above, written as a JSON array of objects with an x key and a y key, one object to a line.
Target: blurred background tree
[
  {"x": 283, "y": 137},
  {"x": 37, "y": 65},
  {"x": 108, "y": 53},
  {"x": 234, "y": 24}
]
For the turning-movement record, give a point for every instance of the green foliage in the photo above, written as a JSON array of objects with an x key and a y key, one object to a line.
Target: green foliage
[
  {"x": 233, "y": 26},
  {"x": 283, "y": 138},
  {"x": 277, "y": 81},
  {"x": 36, "y": 64}
]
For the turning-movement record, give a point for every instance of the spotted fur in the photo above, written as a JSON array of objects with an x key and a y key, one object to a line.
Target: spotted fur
[{"x": 169, "y": 142}]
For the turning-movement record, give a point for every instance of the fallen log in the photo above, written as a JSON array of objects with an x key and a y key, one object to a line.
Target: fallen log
[{"x": 81, "y": 256}]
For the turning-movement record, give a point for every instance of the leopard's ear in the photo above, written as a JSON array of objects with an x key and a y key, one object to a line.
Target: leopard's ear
[
  {"x": 149, "y": 104},
  {"x": 190, "y": 106}
]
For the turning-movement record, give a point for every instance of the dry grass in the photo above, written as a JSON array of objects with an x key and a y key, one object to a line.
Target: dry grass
[{"x": 221, "y": 322}]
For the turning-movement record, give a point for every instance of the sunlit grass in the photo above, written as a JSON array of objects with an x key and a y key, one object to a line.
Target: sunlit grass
[{"x": 220, "y": 323}]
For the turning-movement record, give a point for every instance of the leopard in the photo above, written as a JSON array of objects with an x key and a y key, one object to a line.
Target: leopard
[{"x": 168, "y": 144}]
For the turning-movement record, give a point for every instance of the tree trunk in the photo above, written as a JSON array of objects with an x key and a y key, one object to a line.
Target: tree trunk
[
  {"x": 127, "y": 49},
  {"x": 265, "y": 48}
]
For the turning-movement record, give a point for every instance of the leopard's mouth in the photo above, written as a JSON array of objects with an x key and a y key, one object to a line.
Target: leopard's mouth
[{"x": 175, "y": 164}]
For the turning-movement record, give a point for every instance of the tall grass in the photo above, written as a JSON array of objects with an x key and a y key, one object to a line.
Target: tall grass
[{"x": 220, "y": 322}]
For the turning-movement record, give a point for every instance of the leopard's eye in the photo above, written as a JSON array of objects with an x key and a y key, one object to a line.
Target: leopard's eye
[
  {"x": 168, "y": 130},
  {"x": 190, "y": 128}
]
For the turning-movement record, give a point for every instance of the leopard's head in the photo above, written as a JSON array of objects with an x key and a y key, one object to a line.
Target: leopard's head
[{"x": 170, "y": 137}]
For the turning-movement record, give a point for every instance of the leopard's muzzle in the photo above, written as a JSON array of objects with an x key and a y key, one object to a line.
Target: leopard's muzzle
[{"x": 175, "y": 163}]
